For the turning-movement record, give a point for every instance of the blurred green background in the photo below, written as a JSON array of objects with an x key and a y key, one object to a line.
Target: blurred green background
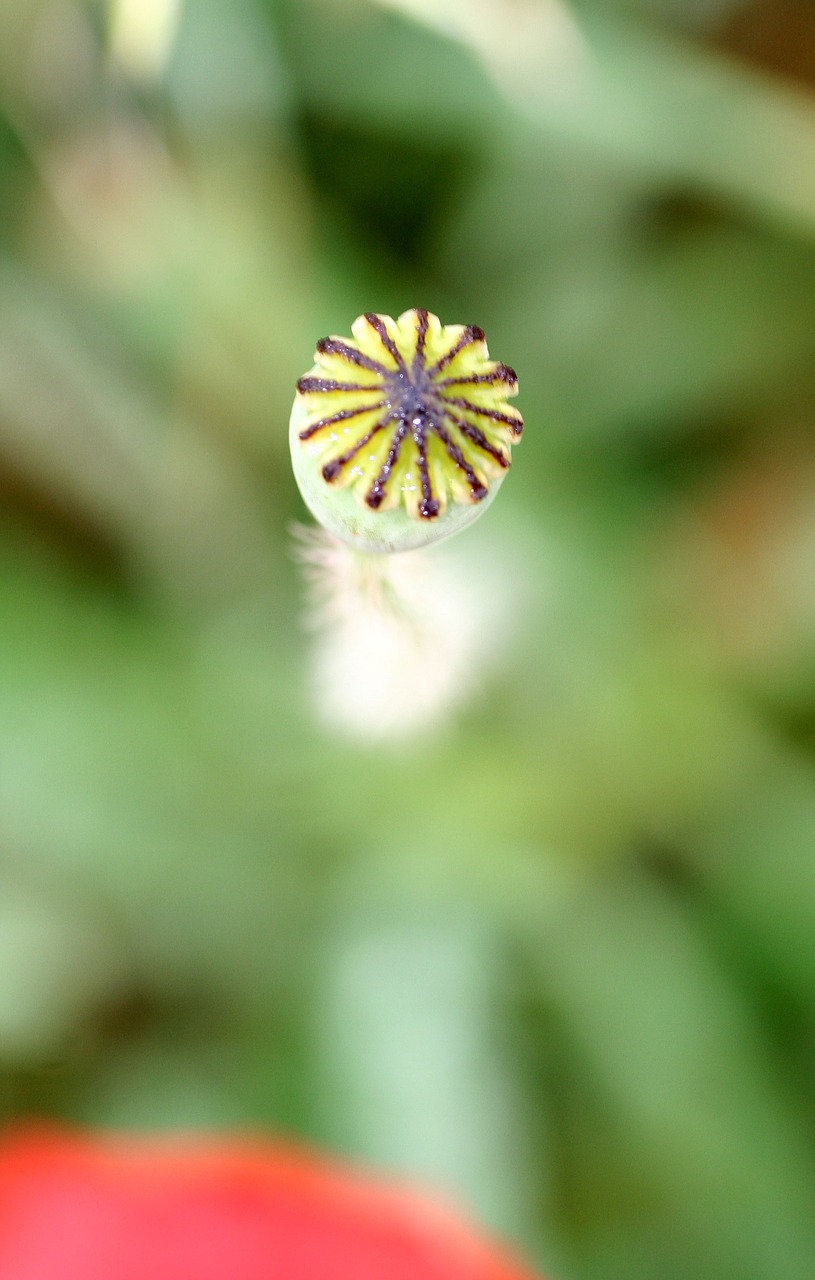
[{"x": 556, "y": 958}]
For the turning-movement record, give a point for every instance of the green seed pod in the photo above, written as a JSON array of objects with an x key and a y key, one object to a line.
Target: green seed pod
[{"x": 402, "y": 435}]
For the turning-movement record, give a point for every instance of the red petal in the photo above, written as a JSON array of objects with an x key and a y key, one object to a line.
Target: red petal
[{"x": 119, "y": 1208}]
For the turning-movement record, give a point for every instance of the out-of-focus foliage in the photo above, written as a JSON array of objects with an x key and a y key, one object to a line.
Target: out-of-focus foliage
[{"x": 558, "y": 958}]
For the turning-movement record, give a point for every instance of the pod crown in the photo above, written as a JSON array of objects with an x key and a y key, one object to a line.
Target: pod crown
[{"x": 408, "y": 413}]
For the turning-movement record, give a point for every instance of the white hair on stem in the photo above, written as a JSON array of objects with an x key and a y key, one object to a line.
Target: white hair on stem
[{"x": 400, "y": 641}]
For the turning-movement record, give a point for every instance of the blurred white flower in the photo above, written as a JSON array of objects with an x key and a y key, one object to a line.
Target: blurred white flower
[
  {"x": 142, "y": 33},
  {"x": 400, "y": 641}
]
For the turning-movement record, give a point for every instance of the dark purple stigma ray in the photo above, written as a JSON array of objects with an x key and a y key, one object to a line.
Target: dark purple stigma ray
[
  {"x": 342, "y": 416},
  {"x": 477, "y": 489},
  {"x": 336, "y": 347},
  {"x": 429, "y": 506},
  {"x": 376, "y": 494},
  {"x": 494, "y": 415},
  {"x": 423, "y": 320},
  {"x": 321, "y": 386},
  {"x": 469, "y": 337},
  {"x": 378, "y": 325},
  {"x": 502, "y": 374},
  {"x": 480, "y": 440},
  {"x": 333, "y": 468}
]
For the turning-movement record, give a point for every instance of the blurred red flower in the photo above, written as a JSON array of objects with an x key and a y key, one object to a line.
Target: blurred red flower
[{"x": 122, "y": 1208}]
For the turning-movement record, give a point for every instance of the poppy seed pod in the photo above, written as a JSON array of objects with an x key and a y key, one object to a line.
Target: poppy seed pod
[
  {"x": 402, "y": 434},
  {"x": 121, "y": 1208}
]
